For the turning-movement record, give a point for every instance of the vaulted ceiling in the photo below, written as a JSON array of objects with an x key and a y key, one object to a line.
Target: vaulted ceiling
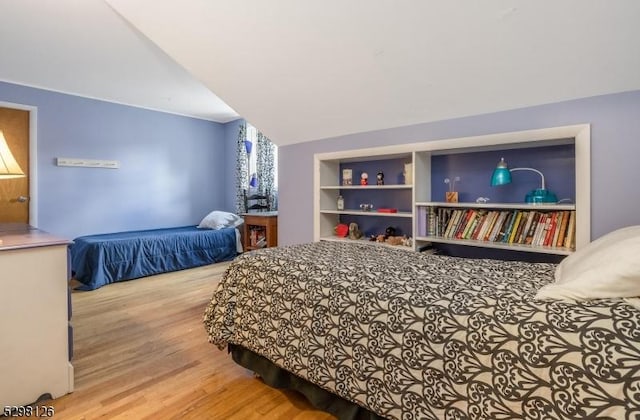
[{"x": 306, "y": 70}]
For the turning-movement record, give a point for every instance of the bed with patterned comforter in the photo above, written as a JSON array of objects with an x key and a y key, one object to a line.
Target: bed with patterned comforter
[{"x": 419, "y": 336}]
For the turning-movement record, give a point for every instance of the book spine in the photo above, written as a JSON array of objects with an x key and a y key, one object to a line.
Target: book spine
[
  {"x": 556, "y": 228},
  {"x": 489, "y": 230},
  {"x": 532, "y": 229},
  {"x": 473, "y": 219},
  {"x": 507, "y": 231},
  {"x": 563, "y": 228},
  {"x": 551, "y": 226},
  {"x": 504, "y": 227},
  {"x": 463, "y": 223},
  {"x": 525, "y": 228},
  {"x": 431, "y": 221},
  {"x": 515, "y": 227},
  {"x": 482, "y": 220},
  {"x": 490, "y": 233},
  {"x": 474, "y": 224},
  {"x": 453, "y": 220},
  {"x": 485, "y": 225},
  {"x": 540, "y": 230},
  {"x": 444, "y": 221},
  {"x": 497, "y": 226},
  {"x": 569, "y": 241}
]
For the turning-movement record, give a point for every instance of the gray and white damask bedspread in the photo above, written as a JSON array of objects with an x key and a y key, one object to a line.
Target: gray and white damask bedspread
[{"x": 416, "y": 336}]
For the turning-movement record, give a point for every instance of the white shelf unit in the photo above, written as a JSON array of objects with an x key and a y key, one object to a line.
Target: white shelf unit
[
  {"x": 327, "y": 177},
  {"x": 422, "y": 222},
  {"x": 327, "y": 188}
]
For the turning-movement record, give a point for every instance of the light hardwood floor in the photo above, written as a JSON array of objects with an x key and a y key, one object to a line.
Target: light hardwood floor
[{"x": 141, "y": 352}]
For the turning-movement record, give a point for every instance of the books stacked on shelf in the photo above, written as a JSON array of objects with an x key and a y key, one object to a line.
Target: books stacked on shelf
[
  {"x": 257, "y": 237},
  {"x": 530, "y": 227}
]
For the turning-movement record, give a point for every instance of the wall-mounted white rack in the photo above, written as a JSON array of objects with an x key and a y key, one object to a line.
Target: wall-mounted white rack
[{"x": 88, "y": 163}]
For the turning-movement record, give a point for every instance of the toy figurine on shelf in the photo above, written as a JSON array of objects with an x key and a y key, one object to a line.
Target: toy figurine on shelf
[
  {"x": 341, "y": 230},
  {"x": 380, "y": 178},
  {"x": 354, "y": 231},
  {"x": 364, "y": 179}
]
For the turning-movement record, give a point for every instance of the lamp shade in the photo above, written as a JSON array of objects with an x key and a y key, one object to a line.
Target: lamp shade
[
  {"x": 248, "y": 145},
  {"x": 501, "y": 175},
  {"x": 9, "y": 168},
  {"x": 253, "y": 183}
]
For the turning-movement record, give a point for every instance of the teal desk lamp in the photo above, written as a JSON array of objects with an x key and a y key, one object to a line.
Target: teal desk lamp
[{"x": 502, "y": 175}]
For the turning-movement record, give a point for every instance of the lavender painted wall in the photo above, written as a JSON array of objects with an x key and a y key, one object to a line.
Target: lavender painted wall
[
  {"x": 615, "y": 148},
  {"x": 173, "y": 169},
  {"x": 557, "y": 163}
]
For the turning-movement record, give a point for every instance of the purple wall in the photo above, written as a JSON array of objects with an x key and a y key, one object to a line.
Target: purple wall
[
  {"x": 615, "y": 147},
  {"x": 557, "y": 163},
  {"x": 172, "y": 168}
]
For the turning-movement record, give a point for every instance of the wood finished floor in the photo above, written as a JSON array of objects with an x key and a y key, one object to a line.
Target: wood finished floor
[{"x": 141, "y": 352}]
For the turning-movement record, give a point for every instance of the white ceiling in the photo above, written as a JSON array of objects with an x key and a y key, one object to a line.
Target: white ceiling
[
  {"x": 305, "y": 70},
  {"x": 83, "y": 47}
]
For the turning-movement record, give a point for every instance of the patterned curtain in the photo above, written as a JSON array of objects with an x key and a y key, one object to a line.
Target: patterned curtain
[
  {"x": 266, "y": 170},
  {"x": 242, "y": 170}
]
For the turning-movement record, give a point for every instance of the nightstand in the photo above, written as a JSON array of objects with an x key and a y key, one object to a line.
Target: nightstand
[{"x": 260, "y": 230}]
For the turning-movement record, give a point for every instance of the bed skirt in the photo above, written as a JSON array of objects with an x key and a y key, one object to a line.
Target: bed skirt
[{"x": 320, "y": 398}]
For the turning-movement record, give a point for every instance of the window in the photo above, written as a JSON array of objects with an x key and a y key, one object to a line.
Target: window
[{"x": 252, "y": 135}]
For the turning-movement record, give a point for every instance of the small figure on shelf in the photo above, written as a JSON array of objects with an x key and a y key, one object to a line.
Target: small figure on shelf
[
  {"x": 341, "y": 230},
  {"x": 347, "y": 176},
  {"x": 380, "y": 178},
  {"x": 389, "y": 231},
  {"x": 364, "y": 179},
  {"x": 395, "y": 240},
  {"x": 392, "y": 239},
  {"x": 354, "y": 231}
]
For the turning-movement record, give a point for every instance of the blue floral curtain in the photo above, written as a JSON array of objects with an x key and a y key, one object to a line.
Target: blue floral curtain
[
  {"x": 242, "y": 170},
  {"x": 266, "y": 170},
  {"x": 263, "y": 175}
]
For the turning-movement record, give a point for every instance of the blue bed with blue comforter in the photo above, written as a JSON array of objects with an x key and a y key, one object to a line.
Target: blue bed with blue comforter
[{"x": 97, "y": 260}]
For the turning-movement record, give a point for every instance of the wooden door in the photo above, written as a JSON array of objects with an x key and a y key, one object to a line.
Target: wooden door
[{"x": 14, "y": 192}]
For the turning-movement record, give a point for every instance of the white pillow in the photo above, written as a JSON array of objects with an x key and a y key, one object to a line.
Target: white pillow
[
  {"x": 220, "y": 220},
  {"x": 608, "y": 267}
]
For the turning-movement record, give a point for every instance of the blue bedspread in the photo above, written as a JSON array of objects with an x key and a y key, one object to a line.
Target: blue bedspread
[{"x": 97, "y": 260}]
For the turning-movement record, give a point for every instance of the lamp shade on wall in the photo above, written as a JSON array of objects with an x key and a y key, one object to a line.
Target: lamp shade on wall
[
  {"x": 9, "y": 168},
  {"x": 502, "y": 175},
  {"x": 253, "y": 182}
]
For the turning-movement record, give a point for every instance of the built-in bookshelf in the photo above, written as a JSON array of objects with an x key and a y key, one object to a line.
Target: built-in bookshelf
[
  {"x": 523, "y": 227},
  {"x": 425, "y": 218},
  {"x": 391, "y": 203}
]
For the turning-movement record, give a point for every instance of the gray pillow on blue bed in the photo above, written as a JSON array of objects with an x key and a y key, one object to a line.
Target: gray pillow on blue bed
[{"x": 220, "y": 220}]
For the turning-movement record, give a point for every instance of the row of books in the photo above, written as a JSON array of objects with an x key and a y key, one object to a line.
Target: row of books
[{"x": 530, "y": 227}]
